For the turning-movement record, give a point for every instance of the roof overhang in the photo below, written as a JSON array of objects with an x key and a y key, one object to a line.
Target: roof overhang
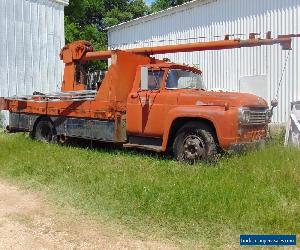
[
  {"x": 160, "y": 14},
  {"x": 63, "y": 2}
]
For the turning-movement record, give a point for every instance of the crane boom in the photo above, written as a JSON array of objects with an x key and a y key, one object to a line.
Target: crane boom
[
  {"x": 284, "y": 40},
  {"x": 80, "y": 52}
]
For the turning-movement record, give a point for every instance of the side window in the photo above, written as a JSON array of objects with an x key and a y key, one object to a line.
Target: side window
[{"x": 155, "y": 79}]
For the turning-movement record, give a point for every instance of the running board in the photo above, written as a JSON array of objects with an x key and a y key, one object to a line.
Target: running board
[{"x": 155, "y": 148}]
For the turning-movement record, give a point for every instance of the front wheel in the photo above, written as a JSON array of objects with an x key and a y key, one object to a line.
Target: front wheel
[
  {"x": 194, "y": 142},
  {"x": 45, "y": 132}
]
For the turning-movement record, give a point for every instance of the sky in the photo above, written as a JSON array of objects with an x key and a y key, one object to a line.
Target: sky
[{"x": 149, "y": 1}]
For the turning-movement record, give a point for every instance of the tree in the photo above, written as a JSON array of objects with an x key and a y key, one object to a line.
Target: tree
[
  {"x": 138, "y": 8},
  {"x": 159, "y": 5},
  {"x": 116, "y": 16},
  {"x": 88, "y": 19}
]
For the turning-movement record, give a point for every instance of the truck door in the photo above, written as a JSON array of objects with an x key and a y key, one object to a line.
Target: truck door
[{"x": 146, "y": 108}]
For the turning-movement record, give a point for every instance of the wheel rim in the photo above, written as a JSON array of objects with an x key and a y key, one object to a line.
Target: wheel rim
[
  {"x": 46, "y": 133},
  {"x": 193, "y": 148}
]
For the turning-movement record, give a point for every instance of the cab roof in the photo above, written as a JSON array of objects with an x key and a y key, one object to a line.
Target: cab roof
[{"x": 173, "y": 66}]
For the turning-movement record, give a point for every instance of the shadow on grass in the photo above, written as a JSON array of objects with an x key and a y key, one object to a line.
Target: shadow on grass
[
  {"x": 164, "y": 156},
  {"x": 222, "y": 156},
  {"x": 113, "y": 147}
]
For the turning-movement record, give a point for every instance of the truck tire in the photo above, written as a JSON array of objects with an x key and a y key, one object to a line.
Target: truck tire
[
  {"x": 194, "y": 142},
  {"x": 45, "y": 132}
]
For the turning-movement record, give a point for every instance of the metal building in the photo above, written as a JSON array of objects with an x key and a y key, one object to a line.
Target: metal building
[
  {"x": 256, "y": 70},
  {"x": 32, "y": 34}
]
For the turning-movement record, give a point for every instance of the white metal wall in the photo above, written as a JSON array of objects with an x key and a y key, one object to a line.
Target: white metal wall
[
  {"x": 32, "y": 34},
  {"x": 224, "y": 69}
]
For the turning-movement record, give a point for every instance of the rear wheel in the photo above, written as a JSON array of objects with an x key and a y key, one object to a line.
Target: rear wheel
[
  {"x": 194, "y": 142},
  {"x": 45, "y": 132}
]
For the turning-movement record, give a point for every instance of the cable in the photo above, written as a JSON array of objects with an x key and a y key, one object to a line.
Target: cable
[{"x": 282, "y": 74}]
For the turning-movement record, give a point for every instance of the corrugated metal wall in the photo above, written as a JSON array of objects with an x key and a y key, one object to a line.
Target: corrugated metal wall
[
  {"x": 32, "y": 34},
  {"x": 224, "y": 69}
]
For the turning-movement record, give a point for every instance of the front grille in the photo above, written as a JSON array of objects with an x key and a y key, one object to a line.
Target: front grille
[{"x": 258, "y": 117}]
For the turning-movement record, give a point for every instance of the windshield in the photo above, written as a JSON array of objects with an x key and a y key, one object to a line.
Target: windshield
[
  {"x": 182, "y": 79},
  {"x": 155, "y": 78}
]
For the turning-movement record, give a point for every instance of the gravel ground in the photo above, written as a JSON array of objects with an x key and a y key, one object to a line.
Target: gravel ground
[{"x": 27, "y": 221}]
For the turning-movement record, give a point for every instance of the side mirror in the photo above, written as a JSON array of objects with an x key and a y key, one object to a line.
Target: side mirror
[
  {"x": 144, "y": 78},
  {"x": 274, "y": 103}
]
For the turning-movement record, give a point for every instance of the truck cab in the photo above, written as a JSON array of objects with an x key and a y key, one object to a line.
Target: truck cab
[{"x": 169, "y": 107}]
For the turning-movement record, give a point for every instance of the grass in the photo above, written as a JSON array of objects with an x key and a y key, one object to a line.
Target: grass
[{"x": 257, "y": 192}]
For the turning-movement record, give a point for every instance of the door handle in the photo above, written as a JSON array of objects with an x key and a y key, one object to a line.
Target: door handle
[{"x": 134, "y": 95}]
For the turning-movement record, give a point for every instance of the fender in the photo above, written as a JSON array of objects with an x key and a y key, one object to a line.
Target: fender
[{"x": 210, "y": 113}]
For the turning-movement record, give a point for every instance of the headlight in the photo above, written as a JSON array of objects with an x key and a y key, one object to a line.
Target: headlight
[{"x": 244, "y": 116}]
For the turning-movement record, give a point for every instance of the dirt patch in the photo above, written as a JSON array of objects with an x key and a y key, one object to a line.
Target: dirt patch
[{"x": 27, "y": 221}]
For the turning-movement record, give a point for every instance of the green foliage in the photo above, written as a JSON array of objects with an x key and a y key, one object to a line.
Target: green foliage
[
  {"x": 75, "y": 11},
  {"x": 88, "y": 19},
  {"x": 159, "y": 5},
  {"x": 138, "y": 8},
  {"x": 116, "y": 16},
  {"x": 256, "y": 192}
]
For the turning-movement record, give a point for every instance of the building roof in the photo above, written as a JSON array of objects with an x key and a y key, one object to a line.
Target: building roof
[
  {"x": 160, "y": 14},
  {"x": 64, "y": 2}
]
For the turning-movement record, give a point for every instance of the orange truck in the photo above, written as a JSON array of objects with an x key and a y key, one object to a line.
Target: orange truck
[{"x": 143, "y": 102}]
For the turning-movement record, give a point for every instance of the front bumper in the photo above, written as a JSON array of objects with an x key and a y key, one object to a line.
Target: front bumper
[{"x": 242, "y": 146}]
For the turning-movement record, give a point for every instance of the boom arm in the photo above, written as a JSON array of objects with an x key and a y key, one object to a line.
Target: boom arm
[
  {"x": 79, "y": 52},
  {"x": 83, "y": 51},
  {"x": 285, "y": 41}
]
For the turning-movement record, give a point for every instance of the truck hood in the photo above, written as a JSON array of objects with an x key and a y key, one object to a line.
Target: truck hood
[{"x": 211, "y": 98}]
